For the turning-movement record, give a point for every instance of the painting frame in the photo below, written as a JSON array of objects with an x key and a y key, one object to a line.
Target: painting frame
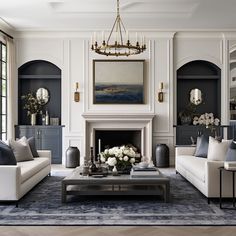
[{"x": 118, "y": 82}]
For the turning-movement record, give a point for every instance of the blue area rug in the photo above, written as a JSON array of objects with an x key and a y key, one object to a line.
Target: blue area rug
[{"x": 42, "y": 206}]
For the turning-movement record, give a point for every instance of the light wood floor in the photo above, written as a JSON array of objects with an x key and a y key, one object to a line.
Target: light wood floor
[{"x": 117, "y": 230}]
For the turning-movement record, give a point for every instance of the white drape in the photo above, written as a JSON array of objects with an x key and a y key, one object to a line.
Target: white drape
[{"x": 12, "y": 84}]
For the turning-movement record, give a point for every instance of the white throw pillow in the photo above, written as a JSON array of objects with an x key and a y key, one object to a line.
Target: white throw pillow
[
  {"x": 21, "y": 149},
  {"x": 217, "y": 150}
]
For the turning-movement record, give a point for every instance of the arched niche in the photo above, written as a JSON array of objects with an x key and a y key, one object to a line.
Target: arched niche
[
  {"x": 39, "y": 74},
  {"x": 206, "y": 77}
]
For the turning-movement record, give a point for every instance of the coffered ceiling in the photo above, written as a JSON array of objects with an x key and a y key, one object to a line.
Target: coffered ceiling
[{"x": 136, "y": 14}]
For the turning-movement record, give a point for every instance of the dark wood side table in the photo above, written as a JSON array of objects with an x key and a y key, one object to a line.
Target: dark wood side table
[{"x": 233, "y": 187}]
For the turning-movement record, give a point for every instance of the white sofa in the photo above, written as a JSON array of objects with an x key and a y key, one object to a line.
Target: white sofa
[
  {"x": 16, "y": 181},
  {"x": 203, "y": 173}
]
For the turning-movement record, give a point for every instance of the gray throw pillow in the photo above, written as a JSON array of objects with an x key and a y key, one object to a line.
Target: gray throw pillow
[
  {"x": 6, "y": 155},
  {"x": 231, "y": 153},
  {"x": 33, "y": 149},
  {"x": 202, "y": 146},
  {"x": 21, "y": 149}
]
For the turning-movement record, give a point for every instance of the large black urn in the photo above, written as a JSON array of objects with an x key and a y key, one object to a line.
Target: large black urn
[
  {"x": 72, "y": 157},
  {"x": 162, "y": 155}
]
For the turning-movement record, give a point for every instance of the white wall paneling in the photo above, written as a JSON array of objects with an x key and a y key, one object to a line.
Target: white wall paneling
[{"x": 166, "y": 52}]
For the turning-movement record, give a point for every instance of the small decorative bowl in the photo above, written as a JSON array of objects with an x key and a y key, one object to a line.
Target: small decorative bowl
[{"x": 143, "y": 164}]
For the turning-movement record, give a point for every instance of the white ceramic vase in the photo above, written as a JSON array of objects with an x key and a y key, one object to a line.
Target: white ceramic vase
[{"x": 33, "y": 119}]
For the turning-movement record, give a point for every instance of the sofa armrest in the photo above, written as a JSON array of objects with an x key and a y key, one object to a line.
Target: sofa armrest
[
  {"x": 45, "y": 153},
  {"x": 179, "y": 151},
  {"x": 212, "y": 177},
  {"x": 9, "y": 182}
]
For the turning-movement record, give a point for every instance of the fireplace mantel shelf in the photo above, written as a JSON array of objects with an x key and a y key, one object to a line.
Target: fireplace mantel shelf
[{"x": 109, "y": 116}]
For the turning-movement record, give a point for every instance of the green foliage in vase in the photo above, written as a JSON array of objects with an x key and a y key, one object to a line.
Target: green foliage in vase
[{"x": 31, "y": 104}]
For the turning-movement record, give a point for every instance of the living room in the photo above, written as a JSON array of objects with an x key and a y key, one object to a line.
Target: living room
[{"x": 157, "y": 90}]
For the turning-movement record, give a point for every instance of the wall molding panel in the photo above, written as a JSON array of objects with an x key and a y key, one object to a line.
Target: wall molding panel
[{"x": 166, "y": 52}]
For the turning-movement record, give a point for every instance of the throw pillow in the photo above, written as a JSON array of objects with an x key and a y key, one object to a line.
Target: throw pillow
[
  {"x": 21, "y": 149},
  {"x": 217, "y": 150},
  {"x": 202, "y": 146},
  {"x": 6, "y": 155},
  {"x": 231, "y": 153},
  {"x": 33, "y": 149}
]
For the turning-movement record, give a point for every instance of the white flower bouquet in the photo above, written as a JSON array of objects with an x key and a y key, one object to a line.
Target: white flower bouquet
[
  {"x": 207, "y": 120},
  {"x": 121, "y": 157}
]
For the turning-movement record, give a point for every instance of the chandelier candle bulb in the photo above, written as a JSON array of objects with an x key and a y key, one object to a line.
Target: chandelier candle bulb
[
  {"x": 136, "y": 37},
  {"x": 127, "y": 35}
]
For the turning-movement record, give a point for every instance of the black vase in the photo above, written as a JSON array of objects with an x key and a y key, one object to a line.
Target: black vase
[
  {"x": 72, "y": 157},
  {"x": 162, "y": 155}
]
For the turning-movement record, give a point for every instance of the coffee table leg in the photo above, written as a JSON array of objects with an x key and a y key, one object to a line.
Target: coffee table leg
[
  {"x": 167, "y": 192},
  {"x": 220, "y": 188},
  {"x": 233, "y": 191},
  {"x": 63, "y": 193}
]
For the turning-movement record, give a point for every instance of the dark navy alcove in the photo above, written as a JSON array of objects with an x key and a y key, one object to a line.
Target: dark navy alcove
[
  {"x": 202, "y": 75},
  {"x": 40, "y": 74}
]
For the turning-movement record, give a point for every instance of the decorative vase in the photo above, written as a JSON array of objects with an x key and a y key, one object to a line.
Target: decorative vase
[
  {"x": 114, "y": 171},
  {"x": 162, "y": 155},
  {"x": 72, "y": 157},
  {"x": 124, "y": 169},
  {"x": 186, "y": 120},
  {"x": 33, "y": 119}
]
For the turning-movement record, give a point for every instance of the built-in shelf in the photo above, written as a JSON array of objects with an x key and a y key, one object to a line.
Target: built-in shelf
[
  {"x": 39, "y": 76},
  {"x": 198, "y": 76}
]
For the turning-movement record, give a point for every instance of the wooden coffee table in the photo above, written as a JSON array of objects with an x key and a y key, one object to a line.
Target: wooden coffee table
[{"x": 77, "y": 184}]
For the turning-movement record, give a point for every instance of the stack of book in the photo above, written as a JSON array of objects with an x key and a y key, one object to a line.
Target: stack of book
[
  {"x": 147, "y": 172},
  {"x": 230, "y": 165}
]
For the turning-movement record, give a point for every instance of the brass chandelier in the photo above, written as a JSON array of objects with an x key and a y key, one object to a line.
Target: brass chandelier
[{"x": 120, "y": 46}]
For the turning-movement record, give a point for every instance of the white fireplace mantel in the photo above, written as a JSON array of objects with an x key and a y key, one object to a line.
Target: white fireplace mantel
[{"x": 103, "y": 121}]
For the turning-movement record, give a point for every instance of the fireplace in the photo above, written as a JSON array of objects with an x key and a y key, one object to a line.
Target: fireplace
[
  {"x": 118, "y": 129},
  {"x": 112, "y": 138}
]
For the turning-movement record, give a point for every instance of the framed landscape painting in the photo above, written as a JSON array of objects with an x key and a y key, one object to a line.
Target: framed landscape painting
[{"x": 118, "y": 81}]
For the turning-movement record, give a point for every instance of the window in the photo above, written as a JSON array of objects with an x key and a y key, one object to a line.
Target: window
[{"x": 3, "y": 91}]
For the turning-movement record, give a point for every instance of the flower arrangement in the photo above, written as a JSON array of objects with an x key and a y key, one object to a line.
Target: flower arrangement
[
  {"x": 32, "y": 104},
  {"x": 121, "y": 157},
  {"x": 187, "y": 114},
  {"x": 206, "y": 119}
]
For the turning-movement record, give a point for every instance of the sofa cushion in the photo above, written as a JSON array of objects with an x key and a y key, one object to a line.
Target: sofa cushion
[
  {"x": 202, "y": 146},
  {"x": 30, "y": 168},
  {"x": 32, "y": 146},
  {"x": 231, "y": 153},
  {"x": 194, "y": 165},
  {"x": 21, "y": 149},
  {"x": 217, "y": 150},
  {"x": 6, "y": 155}
]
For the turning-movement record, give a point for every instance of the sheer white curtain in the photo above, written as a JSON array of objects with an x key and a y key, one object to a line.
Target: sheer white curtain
[{"x": 12, "y": 84}]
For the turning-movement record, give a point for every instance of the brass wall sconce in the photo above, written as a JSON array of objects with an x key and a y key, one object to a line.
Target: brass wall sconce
[
  {"x": 160, "y": 93},
  {"x": 77, "y": 94}
]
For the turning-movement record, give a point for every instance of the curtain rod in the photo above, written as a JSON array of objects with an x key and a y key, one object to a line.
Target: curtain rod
[{"x": 9, "y": 36}]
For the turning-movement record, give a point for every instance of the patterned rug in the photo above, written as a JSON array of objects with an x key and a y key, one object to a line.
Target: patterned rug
[{"x": 42, "y": 206}]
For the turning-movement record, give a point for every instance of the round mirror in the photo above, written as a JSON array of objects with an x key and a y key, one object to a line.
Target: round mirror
[
  {"x": 42, "y": 95},
  {"x": 196, "y": 96}
]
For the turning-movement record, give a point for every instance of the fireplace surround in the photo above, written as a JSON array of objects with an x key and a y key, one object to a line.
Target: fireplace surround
[{"x": 118, "y": 122}]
